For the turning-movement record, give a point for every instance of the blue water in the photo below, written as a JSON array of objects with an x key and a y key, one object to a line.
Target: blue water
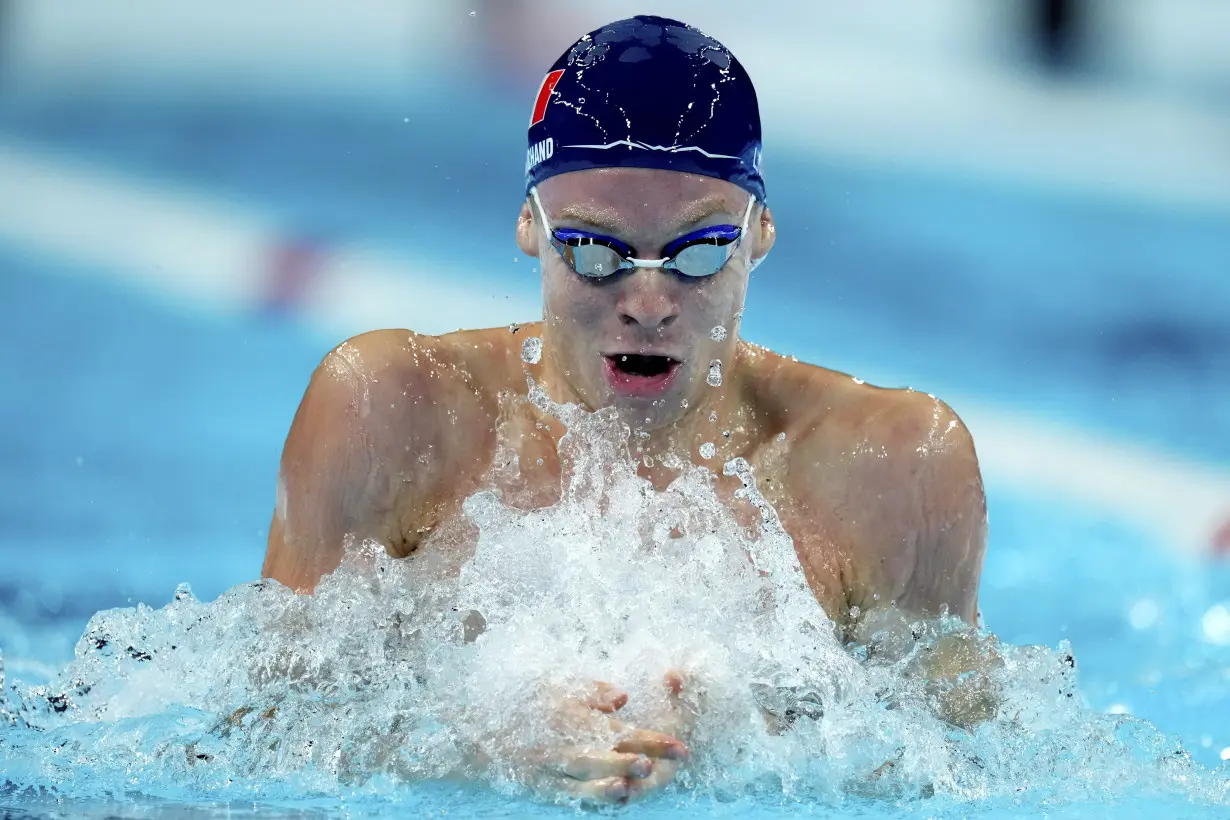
[{"x": 141, "y": 436}]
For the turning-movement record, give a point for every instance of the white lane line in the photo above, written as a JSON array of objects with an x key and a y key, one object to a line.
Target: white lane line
[
  {"x": 1182, "y": 502},
  {"x": 206, "y": 250}
]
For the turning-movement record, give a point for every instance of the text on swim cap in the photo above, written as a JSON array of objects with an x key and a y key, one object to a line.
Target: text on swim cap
[{"x": 539, "y": 152}]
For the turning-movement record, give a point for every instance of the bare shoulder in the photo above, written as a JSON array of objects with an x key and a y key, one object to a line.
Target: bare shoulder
[
  {"x": 836, "y": 418},
  {"x": 399, "y": 362},
  {"x": 894, "y": 477}
]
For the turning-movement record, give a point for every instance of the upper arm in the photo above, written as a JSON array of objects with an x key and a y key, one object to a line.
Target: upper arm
[
  {"x": 902, "y": 493},
  {"x": 340, "y": 473},
  {"x": 926, "y": 538}
]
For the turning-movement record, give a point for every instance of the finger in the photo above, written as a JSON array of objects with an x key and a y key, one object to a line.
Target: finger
[
  {"x": 679, "y": 716},
  {"x": 599, "y": 765},
  {"x": 606, "y": 790},
  {"x": 662, "y": 774},
  {"x": 606, "y": 697},
  {"x": 651, "y": 744},
  {"x": 674, "y": 682}
]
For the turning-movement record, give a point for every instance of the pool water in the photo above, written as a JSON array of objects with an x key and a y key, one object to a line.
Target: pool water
[{"x": 143, "y": 436}]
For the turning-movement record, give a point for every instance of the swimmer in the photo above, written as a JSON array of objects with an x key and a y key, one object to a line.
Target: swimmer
[{"x": 646, "y": 210}]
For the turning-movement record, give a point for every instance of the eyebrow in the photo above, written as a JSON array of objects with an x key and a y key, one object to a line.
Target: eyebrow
[{"x": 611, "y": 219}]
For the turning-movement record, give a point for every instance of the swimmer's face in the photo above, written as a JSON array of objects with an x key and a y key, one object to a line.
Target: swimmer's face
[{"x": 641, "y": 339}]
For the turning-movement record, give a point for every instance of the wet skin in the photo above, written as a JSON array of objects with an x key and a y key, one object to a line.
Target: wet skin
[{"x": 879, "y": 489}]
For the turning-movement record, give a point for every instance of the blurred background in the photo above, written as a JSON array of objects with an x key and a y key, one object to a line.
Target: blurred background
[{"x": 1021, "y": 206}]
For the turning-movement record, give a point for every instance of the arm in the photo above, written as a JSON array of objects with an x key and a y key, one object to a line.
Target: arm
[
  {"x": 923, "y": 539},
  {"x": 900, "y": 483},
  {"x": 926, "y": 550},
  {"x": 350, "y": 465}
]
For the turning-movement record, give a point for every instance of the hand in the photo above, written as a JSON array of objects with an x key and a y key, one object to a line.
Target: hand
[{"x": 641, "y": 761}]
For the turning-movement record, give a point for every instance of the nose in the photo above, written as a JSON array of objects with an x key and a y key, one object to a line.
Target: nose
[{"x": 648, "y": 300}]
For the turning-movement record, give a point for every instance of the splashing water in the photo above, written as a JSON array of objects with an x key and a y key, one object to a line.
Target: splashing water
[
  {"x": 531, "y": 350},
  {"x": 383, "y": 678}
]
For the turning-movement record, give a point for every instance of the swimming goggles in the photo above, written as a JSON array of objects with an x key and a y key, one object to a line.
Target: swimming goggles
[{"x": 697, "y": 254}]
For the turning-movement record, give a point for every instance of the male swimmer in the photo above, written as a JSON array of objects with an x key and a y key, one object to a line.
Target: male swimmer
[{"x": 646, "y": 208}]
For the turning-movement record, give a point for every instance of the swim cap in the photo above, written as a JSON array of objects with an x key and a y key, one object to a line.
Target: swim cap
[{"x": 647, "y": 92}]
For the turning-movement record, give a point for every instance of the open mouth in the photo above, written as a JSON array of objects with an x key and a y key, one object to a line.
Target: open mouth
[{"x": 634, "y": 374}]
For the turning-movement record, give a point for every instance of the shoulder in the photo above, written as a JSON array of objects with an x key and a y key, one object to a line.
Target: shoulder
[
  {"x": 401, "y": 362},
  {"x": 889, "y": 431}
]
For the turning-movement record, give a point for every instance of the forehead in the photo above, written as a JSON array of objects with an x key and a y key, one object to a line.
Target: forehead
[{"x": 639, "y": 200}]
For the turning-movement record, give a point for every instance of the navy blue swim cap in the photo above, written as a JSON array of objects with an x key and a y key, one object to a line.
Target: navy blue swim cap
[{"x": 647, "y": 92}]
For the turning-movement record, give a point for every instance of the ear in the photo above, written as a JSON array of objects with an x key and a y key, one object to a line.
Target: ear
[
  {"x": 765, "y": 236},
  {"x": 527, "y": 231}
]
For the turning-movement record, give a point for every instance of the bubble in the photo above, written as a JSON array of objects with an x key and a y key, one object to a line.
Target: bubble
[
  {"x": 1215, "y": 624},
  {"x": 718, "y": 334},
  {"x": 1144, "y": 614},
  {"x": 714, "y": 378},
  {"x": 707, "y": 450},
  {"x": 531, "y": 350}
]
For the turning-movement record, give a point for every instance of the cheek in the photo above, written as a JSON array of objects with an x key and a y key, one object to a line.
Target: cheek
[
  {"x": 569, "y": 303},
  {"x": 718, "y": 300}
]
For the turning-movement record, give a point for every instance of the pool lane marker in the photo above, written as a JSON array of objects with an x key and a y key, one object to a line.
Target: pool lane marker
[{"x": 204, "y": 250}]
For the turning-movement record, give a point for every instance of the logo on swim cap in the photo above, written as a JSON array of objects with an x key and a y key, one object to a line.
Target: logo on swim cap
[
  {"x": 647, "y": 92},
  {"x": 544, "y": 94}
]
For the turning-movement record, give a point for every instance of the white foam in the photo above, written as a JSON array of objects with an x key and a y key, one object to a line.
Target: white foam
[{"x": 382, "y": 678}]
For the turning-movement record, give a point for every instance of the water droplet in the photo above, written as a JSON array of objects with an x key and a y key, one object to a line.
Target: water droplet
[
  {"x": 531, "y": 350},
  {"x": 718, "y": 333},
  {"x": 712, "y": 416},
  {"x": 857, "y": 380},
  {"x": 539, "y": 462},
  {"x": 1225, "y": 753},
  {"x": 781, "y": 436},
  {"x": 80, "y": 460},
  {"x": 714, "y": 379},
  {"x": 684, "y": 404},
  {"x": 707, "y": 450},
  {"x": 855, "y": 611}
]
